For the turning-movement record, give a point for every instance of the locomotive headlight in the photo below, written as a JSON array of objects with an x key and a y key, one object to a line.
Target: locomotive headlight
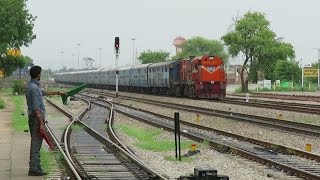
[{"x": 211, "y": 58}]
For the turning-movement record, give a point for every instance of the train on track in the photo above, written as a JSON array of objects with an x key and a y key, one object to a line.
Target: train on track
[{"x": 195, "y": 77}]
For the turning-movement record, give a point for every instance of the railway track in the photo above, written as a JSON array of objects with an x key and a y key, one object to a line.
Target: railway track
[
  {"x": 287, "y": 125},
  {"x": 294, "y": 162},
  {"x": 96, "y": 156},
  {"x": 284, "y": 96},
  {"x": 287, "y": 106}
]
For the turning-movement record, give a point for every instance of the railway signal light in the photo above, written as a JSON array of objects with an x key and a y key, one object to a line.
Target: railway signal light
[{"x": 117, "y": 44}]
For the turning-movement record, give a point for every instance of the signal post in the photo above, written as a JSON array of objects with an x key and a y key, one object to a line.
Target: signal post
[{"x": 117, "y": 52}]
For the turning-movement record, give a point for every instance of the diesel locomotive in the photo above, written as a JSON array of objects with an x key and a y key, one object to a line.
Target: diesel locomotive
[{"x": 195, "y": 77}]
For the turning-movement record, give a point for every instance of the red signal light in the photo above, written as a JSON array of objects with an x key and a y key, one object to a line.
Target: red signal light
[{"x": 117, "y": 44}]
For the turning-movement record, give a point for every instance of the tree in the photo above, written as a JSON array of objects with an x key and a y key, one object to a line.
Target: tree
[
  {"x": 199, "y": 46},
  {"x": 287, "y": 70},
  {"x": 16, "y": 30},
  {"x": 11, "y": 63},
  {"x": 260, "y": 46},
  {"x": 153, "y": 56}
]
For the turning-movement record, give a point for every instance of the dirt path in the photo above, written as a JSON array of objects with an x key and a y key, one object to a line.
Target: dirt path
[{"x": 6, "y": 115}]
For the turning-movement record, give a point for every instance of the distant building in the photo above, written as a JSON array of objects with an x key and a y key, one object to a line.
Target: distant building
[{"x": 178, "y": 42}]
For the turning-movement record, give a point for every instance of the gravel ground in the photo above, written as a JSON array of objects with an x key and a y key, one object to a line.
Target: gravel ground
[
  {"x": 226, "y": 164},
  {"x": 74, "y": 107},
  {"x": 277, "y": 136},
  {"x": 273, "y": 135},
  {"x": 56, "y": 120},
  {"x": 286, "y": 115}
]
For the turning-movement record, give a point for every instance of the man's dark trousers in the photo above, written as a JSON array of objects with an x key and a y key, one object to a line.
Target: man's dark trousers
[{"x": 36, "y": 143}]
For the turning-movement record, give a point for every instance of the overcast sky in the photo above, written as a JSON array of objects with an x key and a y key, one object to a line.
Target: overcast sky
[{"x": 62, "y": 24}]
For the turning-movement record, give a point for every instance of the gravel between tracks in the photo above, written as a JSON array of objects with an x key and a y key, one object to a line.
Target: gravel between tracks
[
  {"x": 277, "y": 136},
  {"x": 273, "y": 135},
  {"x": 227, "y": 164},
  {"x": 74, "y": 107},
  {"x": 286, "y": 115}
]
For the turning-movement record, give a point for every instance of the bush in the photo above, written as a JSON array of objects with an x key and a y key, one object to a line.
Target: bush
[
  {"x": 1, "y": 103},
  {"x": 18, "y": 87}
]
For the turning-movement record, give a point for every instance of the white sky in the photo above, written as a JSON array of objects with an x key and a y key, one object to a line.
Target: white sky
[{"x": 62, "y": 24}]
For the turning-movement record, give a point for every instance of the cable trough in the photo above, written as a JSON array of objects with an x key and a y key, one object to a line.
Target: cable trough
[{"x": 292, "y": 161}]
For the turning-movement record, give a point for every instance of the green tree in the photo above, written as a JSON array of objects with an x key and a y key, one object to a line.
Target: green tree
[
  {"x": 11, "y": 63},
  {"x": 198, "y": 46},
  {"x": 153, "y": 56},
  {"x": 313, "y": 79},
  {"x": 16, "y": 30},
  {"x": 287, "y": 70},
  {"x": 260, "y": 46}
]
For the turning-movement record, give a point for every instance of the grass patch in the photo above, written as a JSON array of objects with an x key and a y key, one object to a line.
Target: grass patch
[
  {"x": 48, "y": 160},
  {"x": 147, "y": 138},
  {"x": 1, "y": 103},
  {"x": 5, "y": 91},
  {"x": 76, "y": 128},
  {"x": 307, "y": 120},
  {"x": 140, "y": 133},
  {"x": 20, "y": 118}
]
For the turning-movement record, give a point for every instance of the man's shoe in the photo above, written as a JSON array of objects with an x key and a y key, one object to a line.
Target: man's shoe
[{"x": 37, "y": 173}]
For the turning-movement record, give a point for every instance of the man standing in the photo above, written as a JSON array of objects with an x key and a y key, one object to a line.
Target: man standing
[{"x": 36, "y": 114}]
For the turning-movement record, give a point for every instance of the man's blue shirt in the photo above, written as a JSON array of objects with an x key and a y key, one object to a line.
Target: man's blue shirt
[{"x": 34, "y": 97}]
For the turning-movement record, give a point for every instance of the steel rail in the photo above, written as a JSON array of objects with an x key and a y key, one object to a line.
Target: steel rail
[
  {"x": 287, "y": 125},
  {"x": 122, "y": 148},
  {"x": 66, "y": 154},
  {"x": 283, "y": 96},
  {"x": 295, "y": 107},
  {"x": 117, "y": 141},
  {"x": 229, "y": 148},
  {"x": 66, "y": 131}
]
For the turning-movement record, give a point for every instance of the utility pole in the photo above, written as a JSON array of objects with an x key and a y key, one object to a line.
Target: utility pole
[
  {"x": 61, "y": 52},
  {"x": 301, "y": 73},
  {"x": 72, "y": 55},
  {"x": 318, "y": 67},
  {"x": 133, "y": 60},
  {"x": 100, "y": 56},
  {"x": 78, "y": 55},
  {"x": 117, "y": 52}
]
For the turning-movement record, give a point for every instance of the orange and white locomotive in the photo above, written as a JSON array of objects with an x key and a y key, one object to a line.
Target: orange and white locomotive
[{"x": 201, "y": 77}]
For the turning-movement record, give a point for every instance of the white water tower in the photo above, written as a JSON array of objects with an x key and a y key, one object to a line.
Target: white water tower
[{"x": 178, "y": 42}]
